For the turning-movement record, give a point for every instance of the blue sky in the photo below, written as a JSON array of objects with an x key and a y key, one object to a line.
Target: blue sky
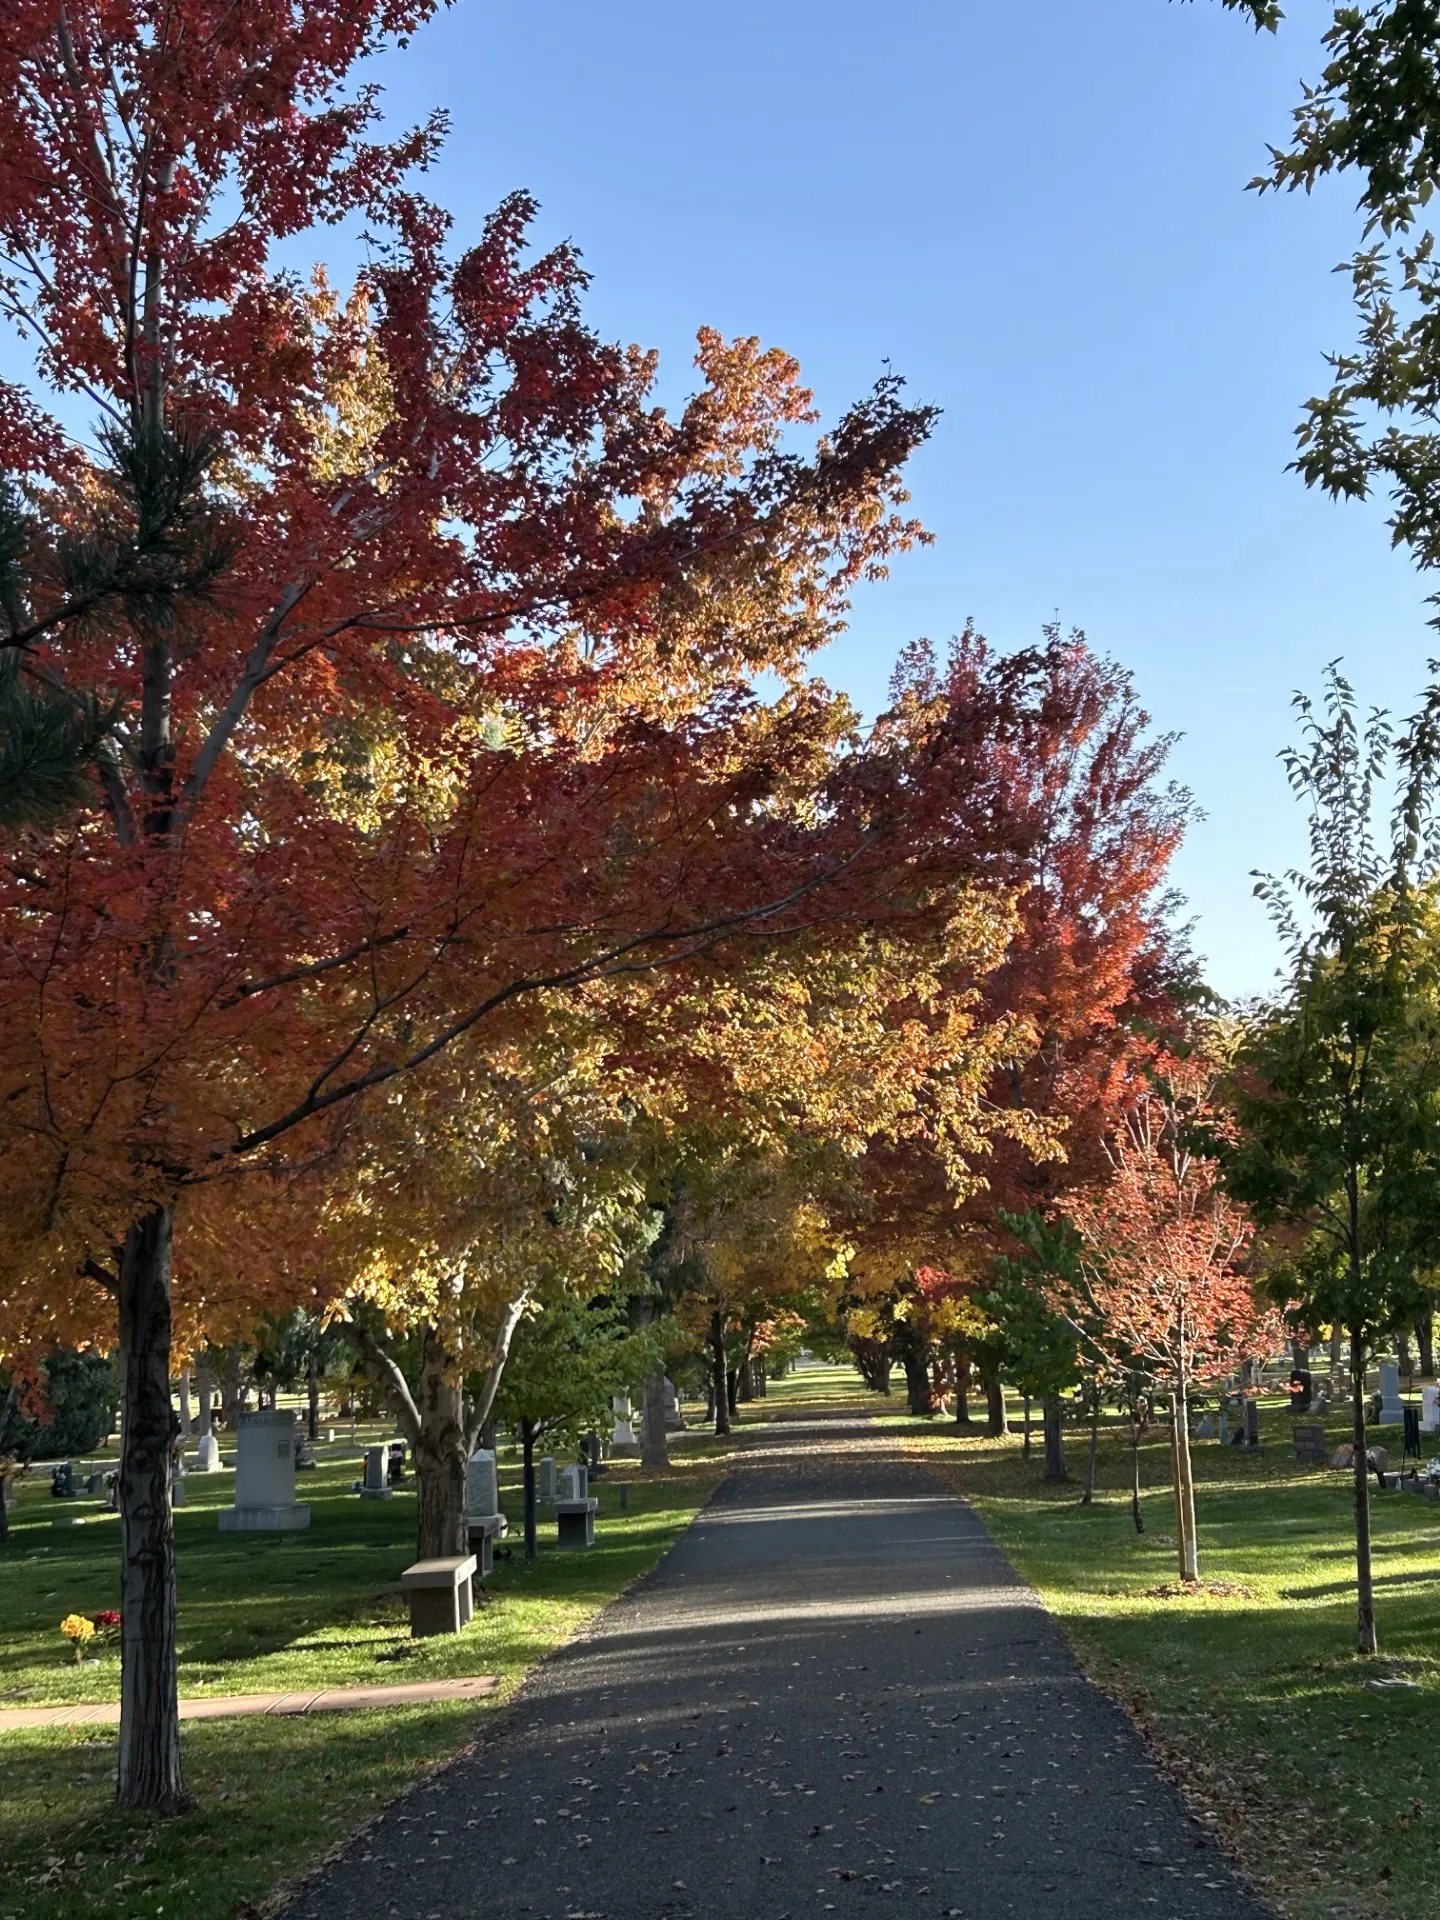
[{"x": 1036, "y": 212}]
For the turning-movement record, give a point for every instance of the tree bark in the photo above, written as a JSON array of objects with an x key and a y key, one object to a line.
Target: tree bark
[
  {"x": 149, "y": 1769},
  {"x": 1087, "y": 1498},
  {"x": 202, "y": 1398},
  {"x": 1366, "y": 1641},
  {"x": 185, "y": 1403},
  {"x": 732, "y": 1390},
  {"x": 1025, "y": 1414},
  {"x": 1337, "y": 1360},
  {"x": 717, "y": 1365},
  {"x": 1135, "y": 1513},
  {"x": 1189, "y": 1540},
  {"x": 440, "y": 1456},
  {"x": 1053, "y": 1415},
  {"x": 1425, "y": 1341},
  {"x": 759, "y": 1378},
  {"x": 917, "y": 1384},
  {"x": 654, "y": 1441},
  {"x": 962, "y": 1389},
  {"x": 527, "y": 1454},
  {"x": 312, "y": 1393},
  {"x": 996, "y": 1424},
  {"x": 230, "y": 1391}
]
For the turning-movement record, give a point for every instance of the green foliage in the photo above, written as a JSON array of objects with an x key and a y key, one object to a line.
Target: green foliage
[
  {"x": 81, "y": 1393},
  {"x": 1339, "y": 1085},
  {"x": 567, "y": 1359},
  {"x": 1030, "y": 1343}
]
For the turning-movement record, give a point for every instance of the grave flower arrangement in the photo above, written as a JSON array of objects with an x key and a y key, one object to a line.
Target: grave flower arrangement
[
  {"x": 79, "y": 1629},
  {"x": 107, "y": 1627}
]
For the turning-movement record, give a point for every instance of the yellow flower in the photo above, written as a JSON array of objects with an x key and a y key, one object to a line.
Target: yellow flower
[{"x": 76, "y": 1627}]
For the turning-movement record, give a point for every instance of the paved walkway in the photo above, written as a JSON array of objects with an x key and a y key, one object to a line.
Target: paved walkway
[
  {"x": 231, "y": 1706},
  {"x": 832, "y": 1697}
]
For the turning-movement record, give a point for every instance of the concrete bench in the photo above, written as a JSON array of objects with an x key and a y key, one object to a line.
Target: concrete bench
[
  {"x": 577, "y": 1521},
  {"x": 439, "y": 1592},
  {"x": 484, "y": 1531}
]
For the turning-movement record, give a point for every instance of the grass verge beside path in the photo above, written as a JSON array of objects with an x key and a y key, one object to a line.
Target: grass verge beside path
[
  {"x": 1321, "y": 1770},
  {"x": 258, "y": 1613}
]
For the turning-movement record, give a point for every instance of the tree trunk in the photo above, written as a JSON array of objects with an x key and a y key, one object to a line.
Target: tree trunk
[
  {"x": 1087, "y": 1498},
  {"x": 654, "y": 1441},
  {"x": 759, "y": 1378},
  {"x": 231, "y": 1391},
  {"x": 1053, "y": 1414},
  {"x": 1364, "y": 1584},
  {"x": 527, "y": 1454},
  {"x": 312, "y": 1391},
  {"x": 149, "y": 1769},
  {"x": 917, "y": 1385},
  {"x": 1403, "y": 1355},
  {"x": 440, "y": 1456},
  {"x": 996, "y": 1424},
  {"x": 1135, "y": 1513},
  {"x": 720, "y": 1383},
  {"x": 1025, "y": 1414},
  {"x": 743, "y": 1385},
  {"x": 962, "y": 1389},
  {"x": 1425, "y": 1341},
  {"x": 1190, "y": 1567},
  {"x": 1337, "y": 1360},
  {"x": 202, "y": 1398},
  {"x": 185, "y": 1403}
]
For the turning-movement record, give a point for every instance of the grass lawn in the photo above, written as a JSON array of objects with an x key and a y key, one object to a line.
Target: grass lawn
[
  {"x": 260, "y": 1613},
  {"x": 1322, "y": 1770}
]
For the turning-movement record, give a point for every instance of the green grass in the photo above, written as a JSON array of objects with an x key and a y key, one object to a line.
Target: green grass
[
  {"x": 1327, "y": 1787},
  {"x": 262, "y": 1613}
]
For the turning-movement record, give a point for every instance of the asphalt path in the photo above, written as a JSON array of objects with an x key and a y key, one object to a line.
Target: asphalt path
[{"x": 833, "y": 1696}]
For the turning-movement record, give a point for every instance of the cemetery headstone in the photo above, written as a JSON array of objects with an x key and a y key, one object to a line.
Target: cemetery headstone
[
  {"x": 622, "y": 1435},
  {"x": 265, "y": 1476},
  {"x": 1429, "y": 1409},
  {"x": 545, "y": 1480},
  {"x": 207, "y": 1454},
  {"x": 674, "y": 1418},
  {"x": 376, "y": 1483},
  {"x": 1309, "y": 1437},
  {"x": 483, "y": 1519},
  {"x": 1392, "y": 1411},
  {"x": 573, "y": 1484},
  {"x": 1301, "y": 1390}
]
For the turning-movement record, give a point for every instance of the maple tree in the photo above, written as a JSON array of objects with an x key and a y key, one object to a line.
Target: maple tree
[
  {"x": 1160, "y": 1281},
  {"x": 1053, "y": 787},
  {"x": 399, "y": 598}
]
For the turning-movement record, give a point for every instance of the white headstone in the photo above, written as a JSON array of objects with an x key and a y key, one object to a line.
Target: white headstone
[
  {"x": 545, "y": 1480},
  {"x": 1430, "y": 1409},
  {"x": 623, "y": 1434},
  {"x": 482, "y": 1485},
  {"x": 574, "y": 1484},
  {"x": 265, "y": 1475},
  {"x": 207, "y": 1454}
]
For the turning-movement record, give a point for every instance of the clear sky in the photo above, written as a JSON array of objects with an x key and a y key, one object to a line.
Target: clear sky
[{"x": 1036, "y": 212}]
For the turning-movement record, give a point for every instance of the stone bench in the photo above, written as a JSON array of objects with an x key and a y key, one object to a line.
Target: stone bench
[
  {"x": 439, "y": 1593},
  {"x": 576, "y": 1521},
  {"x": 484, "y": 1530}
]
